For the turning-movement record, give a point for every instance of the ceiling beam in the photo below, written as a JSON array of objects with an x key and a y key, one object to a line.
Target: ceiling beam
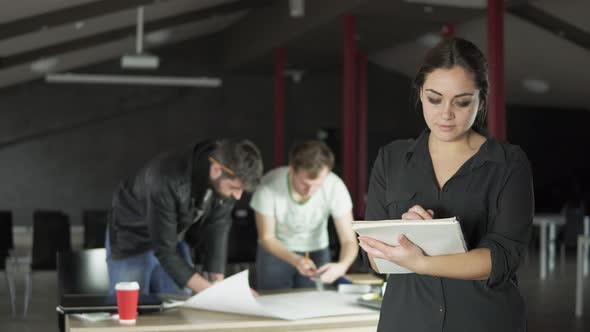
[
  {"x": 66, "y": 15},
  {"x": 269, "y": 27},
  {"x": 113, "y": 35},
  {"x": 551, "y": 23}
]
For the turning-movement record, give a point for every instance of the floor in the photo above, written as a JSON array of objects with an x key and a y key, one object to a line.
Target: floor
[{"x": 550, "y": 303}]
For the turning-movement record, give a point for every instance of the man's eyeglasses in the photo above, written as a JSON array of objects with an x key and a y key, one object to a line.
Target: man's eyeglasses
[{"x": 223, "y": 167}]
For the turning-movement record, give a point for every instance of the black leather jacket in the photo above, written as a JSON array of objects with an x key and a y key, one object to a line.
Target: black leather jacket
[{"x": 168, "y": 200}]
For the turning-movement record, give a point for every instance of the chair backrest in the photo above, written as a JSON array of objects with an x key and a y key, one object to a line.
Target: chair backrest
[
  {"x": 243, "y": 237},
  {"x": 95, "y": 226},
  {"x": 574, "y": 222},
  {"x": 82, "y": 272},
  {"x": 6, "y": 236},
  {"x": 51, "y": 234}
]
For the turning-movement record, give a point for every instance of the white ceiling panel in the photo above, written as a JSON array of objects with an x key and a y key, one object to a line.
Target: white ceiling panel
[
  {"x": 17, "y": 9},
  {"x": 576, "y": 12},
  {"x": 71, "y": 61},
  {"x": 531, "y": 53},
  {"x": 100, "y": 24}
]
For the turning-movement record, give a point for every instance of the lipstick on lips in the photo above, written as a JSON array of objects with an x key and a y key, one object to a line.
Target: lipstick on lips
[{"x": 446, "y": 127}]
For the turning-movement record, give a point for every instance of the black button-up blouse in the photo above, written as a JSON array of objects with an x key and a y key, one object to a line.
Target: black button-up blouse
[{"x": 492, "y": 197}]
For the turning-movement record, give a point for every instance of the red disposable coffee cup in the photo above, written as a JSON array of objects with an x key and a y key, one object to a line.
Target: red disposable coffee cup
[{"x": 127, "y": 296}]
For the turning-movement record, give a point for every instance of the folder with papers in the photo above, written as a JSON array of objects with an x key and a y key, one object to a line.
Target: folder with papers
[{"x": 435, "y": 237}]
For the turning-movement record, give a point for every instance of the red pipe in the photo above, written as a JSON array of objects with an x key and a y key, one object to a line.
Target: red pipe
[
  {"x": 496, "y": 98},
  {"x": 362, "y": 137},
  {"x": 349, "y": 103},
  {"x": 279, "y": 114}
]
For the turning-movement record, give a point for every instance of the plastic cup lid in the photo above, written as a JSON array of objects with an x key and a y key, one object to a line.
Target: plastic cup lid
[{"x": 127, "y": 285}]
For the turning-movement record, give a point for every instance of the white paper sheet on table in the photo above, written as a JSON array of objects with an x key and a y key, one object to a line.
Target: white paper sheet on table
[{"x": 233, "y": 295}]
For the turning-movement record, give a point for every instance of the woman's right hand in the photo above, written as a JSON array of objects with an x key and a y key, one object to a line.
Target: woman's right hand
[{"x": 417, "y": 212}]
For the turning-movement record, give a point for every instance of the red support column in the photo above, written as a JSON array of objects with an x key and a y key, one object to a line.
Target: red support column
[
  {"x": 349, "y": 105},
  {"x": 496, "y": 102},
  {"x": 279, "y": 114},
  {"x": 448, "y": 30},
  {"x": 362, "y": 174}
]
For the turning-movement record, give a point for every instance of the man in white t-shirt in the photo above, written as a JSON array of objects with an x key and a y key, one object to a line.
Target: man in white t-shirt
[{"x": 292, "y": 206}]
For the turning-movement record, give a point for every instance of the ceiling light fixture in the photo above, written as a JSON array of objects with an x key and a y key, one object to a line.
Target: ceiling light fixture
[
  {"x": 295, "y": 74},
  {"x": 158, "y": 37},
  {"x": 79, "y": 25},
  {"x": 297, "y": 8},
  {"x": 453, "y": 3},
  {"x": 535, "y": 85},
  {"x": 140, "y": 60},
  {"x": 202, "y": 82},
  {"x": 429, "y": 40},
  {"x": 44, "y": 65}
]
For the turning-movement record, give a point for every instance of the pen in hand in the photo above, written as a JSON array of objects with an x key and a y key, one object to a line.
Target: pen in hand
[
  {"x": 309, "y": 262},
  {"x": 318, "y": 281},
  {"x": 307, "y": 259}
]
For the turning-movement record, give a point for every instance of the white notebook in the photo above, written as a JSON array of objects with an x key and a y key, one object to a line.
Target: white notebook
[{"x": 436, "y": 237}]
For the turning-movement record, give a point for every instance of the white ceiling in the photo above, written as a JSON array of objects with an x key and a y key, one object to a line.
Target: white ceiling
[
  {"x": 17, "y": 9},
  {"x": 101, "y": 24},
  {"x": 102, "y": 52},
  {"x": 72, "y": 60},
  {"x": 531, "y": 52},
  {"x": 576, "y": 12}
]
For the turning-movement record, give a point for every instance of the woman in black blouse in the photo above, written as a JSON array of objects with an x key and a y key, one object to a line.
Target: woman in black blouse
[{"x": 454, "y": 168}]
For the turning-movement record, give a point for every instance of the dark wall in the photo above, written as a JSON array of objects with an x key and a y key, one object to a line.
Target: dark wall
[
  {"x": 391, "y": 110},
  {"x": 315, "y": 105},
  {"x": 66, "y": 146},
  {"x": 557, "y": 143}
]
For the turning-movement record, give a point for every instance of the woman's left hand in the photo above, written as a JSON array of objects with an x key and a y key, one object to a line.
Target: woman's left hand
[{"x": 407, "y": 254}]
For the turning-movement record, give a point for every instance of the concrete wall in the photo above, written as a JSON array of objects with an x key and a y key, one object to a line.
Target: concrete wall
[
  {"x": 315, "y": 104},
  {"x": 67, "y": 146}
]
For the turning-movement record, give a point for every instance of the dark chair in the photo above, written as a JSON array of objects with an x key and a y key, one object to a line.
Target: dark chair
[
  {"x": 95, "y": 226},
  {"x": 51, "y": 234},
  {"x": 573, "y": 211},
  {"x": 81, "y": 272},
  {"x": 7, "y": 262},
  {"x": 574, "y": 223},
  {"x": 243, "y": 240}
]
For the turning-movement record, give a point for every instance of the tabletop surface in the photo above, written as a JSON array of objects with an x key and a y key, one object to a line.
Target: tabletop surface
[
  {"x": 185, "y": 319},
  {"x": 548, "y": 218}
]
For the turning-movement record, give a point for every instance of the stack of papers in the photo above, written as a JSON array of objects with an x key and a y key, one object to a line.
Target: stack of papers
[
  {"x": 234, "y": 295},
  {"x": 435, "y": 237}
]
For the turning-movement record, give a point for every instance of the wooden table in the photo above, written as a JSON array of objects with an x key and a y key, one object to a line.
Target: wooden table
[{"x": 184, "y": 319}]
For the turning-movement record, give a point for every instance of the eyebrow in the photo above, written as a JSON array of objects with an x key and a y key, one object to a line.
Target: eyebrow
[{"x": 459, "y": 95}]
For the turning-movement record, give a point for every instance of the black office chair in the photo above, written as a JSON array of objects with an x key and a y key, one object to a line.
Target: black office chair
[
  {"x": 243, "y": 240},
  {"x": 81, "y": 272},
  {"x": 51, "y": 234},
  {"x": 573, "y": 212},
  {"x": 95, "y": 226},
  {"x": 7, "y": 262}
]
